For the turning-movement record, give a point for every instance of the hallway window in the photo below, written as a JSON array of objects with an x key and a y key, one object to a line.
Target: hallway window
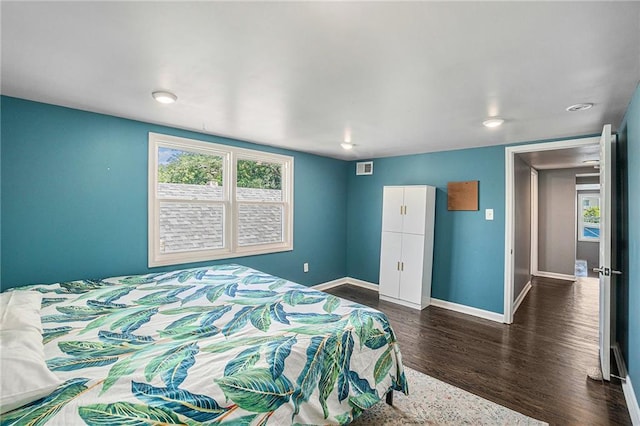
[{"x": 588, "y": 217}]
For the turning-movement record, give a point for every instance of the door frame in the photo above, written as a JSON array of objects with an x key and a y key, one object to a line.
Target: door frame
[
  {"x": 533, "y": 265},
  {"x": 509, "y": 222}
]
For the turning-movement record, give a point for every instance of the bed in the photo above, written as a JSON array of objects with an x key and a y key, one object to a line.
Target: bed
[{"x": 222, "y": 344}]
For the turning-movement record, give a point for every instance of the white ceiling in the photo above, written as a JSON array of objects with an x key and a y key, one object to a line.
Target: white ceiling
[
  {"x": 562, "y": 158},
  {"x": 401, "y": 78}
]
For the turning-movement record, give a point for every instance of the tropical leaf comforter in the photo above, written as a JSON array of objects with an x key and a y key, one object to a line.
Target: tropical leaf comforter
[{"x": 223, "y": 344}]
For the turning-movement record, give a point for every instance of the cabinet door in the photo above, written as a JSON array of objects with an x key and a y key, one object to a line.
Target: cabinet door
[
  {"x": 392, "y": 202},
  {"x": 415, "y": 201},
  {"x": 412, "y": 263},
  {"x": 390, "y": 252}
]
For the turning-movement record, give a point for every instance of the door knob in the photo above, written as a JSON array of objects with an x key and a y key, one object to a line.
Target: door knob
[{"x": 602, "y": 270}]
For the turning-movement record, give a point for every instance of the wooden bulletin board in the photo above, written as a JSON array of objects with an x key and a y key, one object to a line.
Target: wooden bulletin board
[{"x": 462, "y": 195}]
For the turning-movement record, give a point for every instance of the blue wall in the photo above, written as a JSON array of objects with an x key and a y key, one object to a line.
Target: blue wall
[
  {"x": 1, "y": 99},
  {"x": 74, "y": 205},
  {"x": 74, "y": 200},
  {"x": 632, "y": 124},
  {"x": 468, "y": 263}
]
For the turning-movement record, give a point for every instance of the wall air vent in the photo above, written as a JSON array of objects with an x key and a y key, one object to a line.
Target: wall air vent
[{"x": 364, "y": 168}]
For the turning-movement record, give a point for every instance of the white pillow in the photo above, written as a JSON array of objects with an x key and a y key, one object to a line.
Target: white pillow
[
  {"x": 24, "y": 376},
  {"x": 20, "y": 309}
]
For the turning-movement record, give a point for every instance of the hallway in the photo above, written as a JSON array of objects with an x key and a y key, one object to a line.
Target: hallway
[{"x": 538, "y": 365}]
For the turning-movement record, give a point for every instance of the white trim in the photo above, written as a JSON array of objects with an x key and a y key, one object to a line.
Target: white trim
[
  {"x": 329, "y": 284},
  {"x": 533, "y": 265},
  {"x": 632, "y": 401},
  {"x": 346, "y": 280},
  {"x": 362, "y": 283},
  {"x": 229, "y": 155},
  {"x": 588, "y": 187},
  {"x": 509, "y": 232},
  {"x": 481, "y": 313},
  {"x": 627, "y": 387},
  {"x": 555, "y": 276},
  {"x": 521, "y": 296},
  {"x": 587, "y": 174},
  {"x": 509, "y": 223}
]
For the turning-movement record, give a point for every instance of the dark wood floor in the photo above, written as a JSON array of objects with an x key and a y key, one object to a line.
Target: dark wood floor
[{"x": 537, "y": 366}]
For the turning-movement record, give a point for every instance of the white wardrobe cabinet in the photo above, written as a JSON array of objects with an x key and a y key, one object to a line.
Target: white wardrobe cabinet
[{"x": 406, "y": 252}]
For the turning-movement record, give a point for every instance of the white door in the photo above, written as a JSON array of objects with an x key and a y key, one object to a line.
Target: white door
[
  {"x": 605, "y": 251},
  {"x": 392, "y": 208},
  {"x": 415, "y": 204},
  {"x": 390, "y": 255},
  {"x": 411, "y": 267}
]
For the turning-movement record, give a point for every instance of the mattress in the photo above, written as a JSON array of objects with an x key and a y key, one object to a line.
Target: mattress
[{"x": 221, "y": 344}]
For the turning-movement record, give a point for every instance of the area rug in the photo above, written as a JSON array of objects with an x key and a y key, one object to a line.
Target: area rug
[{"x": 432, "y": 402}]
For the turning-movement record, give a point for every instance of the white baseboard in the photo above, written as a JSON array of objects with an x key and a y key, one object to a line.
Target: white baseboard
[
  {"x": 363, "y": 284},
  {"x": 346, "y": 280},
  {"x": 435, "y": 302},
  {"x": 627, "y": 387},
  {"x": 521, "y": 296},
  {"x": 632, "y": 401},
  {"x": 493, "y": 316},
  {"x": 329, "y": 284},
  {"x": 555, "y": 276}
]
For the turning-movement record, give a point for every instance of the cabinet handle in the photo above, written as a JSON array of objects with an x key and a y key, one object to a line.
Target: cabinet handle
[
  {"x": 405, "y": 210},
  {"x": 401, "y": 210},
  {"x": 402, "y": 266},
  {"x": 398, "y": 266}
]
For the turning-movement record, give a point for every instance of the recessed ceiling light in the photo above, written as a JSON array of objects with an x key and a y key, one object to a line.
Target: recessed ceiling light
[
  {"x": 580, "y": 107},
  {"x": 164, "y": 97},
  {"x": 346, "y": 145},
  {"x": 493, "y": 122}
]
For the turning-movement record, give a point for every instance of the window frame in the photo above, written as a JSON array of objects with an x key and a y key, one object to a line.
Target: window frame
[
  {"x": 230, "y": 156},
  {"x": 580, "y": 214}
]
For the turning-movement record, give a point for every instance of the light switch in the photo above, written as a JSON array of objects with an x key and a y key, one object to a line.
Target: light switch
[{"x": 488, "y": 214}]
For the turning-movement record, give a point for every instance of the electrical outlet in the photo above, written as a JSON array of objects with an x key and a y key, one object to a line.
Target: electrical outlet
[
  {"x": 488, "y": 214},
  {"x": 305, "y": 267}
]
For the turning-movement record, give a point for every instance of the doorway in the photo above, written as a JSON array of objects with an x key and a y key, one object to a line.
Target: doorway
[{"x": 564, "y": 156}]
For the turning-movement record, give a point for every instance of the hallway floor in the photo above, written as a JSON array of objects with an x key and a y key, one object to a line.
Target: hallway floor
[{"x": 537, "y": 366}]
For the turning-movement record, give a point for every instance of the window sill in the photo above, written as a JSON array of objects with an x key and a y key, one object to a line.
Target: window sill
[{"x": 183, "y": 258}]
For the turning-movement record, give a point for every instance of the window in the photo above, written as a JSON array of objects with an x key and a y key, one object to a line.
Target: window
[
  {"x": 210, "y": 201},
  {"x": 588, "y": 217}
]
